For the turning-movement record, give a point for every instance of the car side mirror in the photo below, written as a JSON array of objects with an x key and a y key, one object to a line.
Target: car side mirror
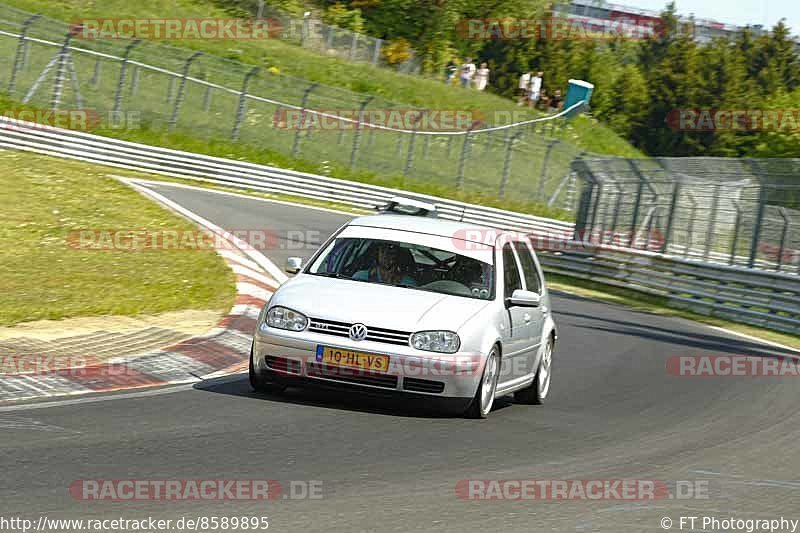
[
  {"x": 294, "y": 265},
  {"x": 520, "y": 298}
]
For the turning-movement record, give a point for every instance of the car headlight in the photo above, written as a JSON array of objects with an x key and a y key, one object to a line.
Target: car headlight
[
  {"x": 436, "y": 341},
  {"x": 283, "y": 318}
]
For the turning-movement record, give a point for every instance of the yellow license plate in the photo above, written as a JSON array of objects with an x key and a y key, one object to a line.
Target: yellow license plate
[{"x": 352, "y": 359}]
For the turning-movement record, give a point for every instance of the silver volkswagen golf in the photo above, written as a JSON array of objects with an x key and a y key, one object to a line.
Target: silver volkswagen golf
[{"x": 412, "y": 304}]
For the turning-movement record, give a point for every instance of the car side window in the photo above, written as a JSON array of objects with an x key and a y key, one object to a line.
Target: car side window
[
  {"x": 529, "y": 270},
  {"x": 510, "y": 271}
]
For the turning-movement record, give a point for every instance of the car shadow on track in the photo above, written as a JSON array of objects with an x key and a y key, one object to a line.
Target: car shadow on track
[{"x": 342, "y": 399}]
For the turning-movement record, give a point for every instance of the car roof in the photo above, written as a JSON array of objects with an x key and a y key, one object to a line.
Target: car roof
[{"x": 427, "y": 225}]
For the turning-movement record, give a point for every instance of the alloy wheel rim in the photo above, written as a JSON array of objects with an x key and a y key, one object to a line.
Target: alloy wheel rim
[
  {"x": 545, "y": 371},
  {"x": 489, "y": 384}
]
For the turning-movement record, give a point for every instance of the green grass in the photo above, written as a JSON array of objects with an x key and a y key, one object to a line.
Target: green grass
[
  {"x": 43, "y": 200},
  {"x": 660, "y": 306}
]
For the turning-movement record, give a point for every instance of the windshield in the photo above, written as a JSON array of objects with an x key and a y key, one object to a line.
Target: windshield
[{"x": 406, "y": 265}]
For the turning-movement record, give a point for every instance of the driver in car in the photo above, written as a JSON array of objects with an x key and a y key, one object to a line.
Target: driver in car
[
  {"x": 392, "y": 267},
  {"x": 466, "y": 272}
]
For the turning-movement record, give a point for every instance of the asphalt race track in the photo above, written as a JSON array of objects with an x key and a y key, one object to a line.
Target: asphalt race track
[{"x": 614, "y": 413}]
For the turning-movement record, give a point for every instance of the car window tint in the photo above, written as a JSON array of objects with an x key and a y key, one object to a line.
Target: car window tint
[
  {"x": 511, "y": 271},
  {"x": 529, "y": 270}
]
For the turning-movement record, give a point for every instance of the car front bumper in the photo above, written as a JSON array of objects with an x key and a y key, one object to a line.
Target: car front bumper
[{"x": 290, "y": 356}]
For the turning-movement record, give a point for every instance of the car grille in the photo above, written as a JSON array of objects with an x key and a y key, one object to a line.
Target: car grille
[
  {"x": 423, "y": 385},
  {"x": 342, "y": 329},
  {"x": 359, "y": 377}
]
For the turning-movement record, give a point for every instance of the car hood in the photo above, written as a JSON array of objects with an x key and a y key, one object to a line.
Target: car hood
[{"x": 376, "y": 305}]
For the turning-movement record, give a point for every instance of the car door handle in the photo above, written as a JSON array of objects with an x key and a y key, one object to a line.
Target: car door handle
[{"x": 527, "y": 318}]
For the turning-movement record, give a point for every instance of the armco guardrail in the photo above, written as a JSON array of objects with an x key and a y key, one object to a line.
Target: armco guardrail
[
  {"x": 756, "y": 297},
  {"x": 154, "y": 160}
]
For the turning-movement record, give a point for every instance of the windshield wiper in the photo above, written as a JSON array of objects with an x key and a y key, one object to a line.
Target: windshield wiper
[{"x": 331, "y": 275}]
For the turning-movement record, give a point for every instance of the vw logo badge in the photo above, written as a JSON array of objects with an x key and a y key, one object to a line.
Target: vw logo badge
[{"x": 358, "y": 332}]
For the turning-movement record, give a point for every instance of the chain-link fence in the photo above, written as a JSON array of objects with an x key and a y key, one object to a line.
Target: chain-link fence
[
  {"x": 313, "y": 34},
  {"x": 44, "y": 63},
  {"x": 736, "y": 211}
]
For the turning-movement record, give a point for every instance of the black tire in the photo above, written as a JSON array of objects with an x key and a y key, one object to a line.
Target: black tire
[
  {"x": 535, "y": 394},
  {"x": 259, "y": 384},
  {"x": 476, "y": 408}
]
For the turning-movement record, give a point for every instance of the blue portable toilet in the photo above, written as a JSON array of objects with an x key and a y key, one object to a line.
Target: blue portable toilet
[{"x": 576, "y": 91}]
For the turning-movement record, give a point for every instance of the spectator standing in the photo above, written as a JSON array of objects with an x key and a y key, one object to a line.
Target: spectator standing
[
  {"x": 544, "y": 101},
  {"x": 482, "y": 77},
  {"x": 450, "y": 71},
  {"x": 467, "y": 72},
  {"x": 535, "y": 89},
  {"x": 524, "y": 86},
  {"x": 556, "y": 102}
]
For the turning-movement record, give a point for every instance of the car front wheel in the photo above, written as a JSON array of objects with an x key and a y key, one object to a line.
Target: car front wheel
[{"x": 484, "y": 397}]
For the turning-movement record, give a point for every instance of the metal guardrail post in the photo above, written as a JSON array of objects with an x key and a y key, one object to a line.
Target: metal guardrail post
[
  {"x": 399, "y": 145},
  {"x": 376, "y": 55},
  {"x": 411, "y": 143},
  {"x": 301, "y": 124},
  {"x": 171, "y": 89},
  {"x": 173, "y": 121},
  {"x": 304, "y": 32},
  {"x": 650, "y": 224},
  {"x": 19, "y": 57},
  {"x": 581, "y": 169},
  {"x": 736, "y": 230},
  {"x": 357, "y": 135},
  {"x": 135, "y": 80},
  {"x": 510, "y": 142},
  {"x": 207, "y": 95},
  {"x": 762, "y": 206},
  {"x": 595, "y": 229},
  {"x": 673, "y": 209},
  {"x": 462, "y": 162},
  {"x": 617, "y": 209},
  {"x": 241, "y": 109},
  {"x": 123, "y": 70},
  {"x": 98, "y": 70},
  {"x": 545, "y": 162},
  {"x": 787, "y": 222},
  {"x": 354, "y": 47},
  {"x": 61, "y": 70},
  {"x": 712, "y": 222},
  {"x": 637, "y": 203},
  {"x": 690, "y": 228}
]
